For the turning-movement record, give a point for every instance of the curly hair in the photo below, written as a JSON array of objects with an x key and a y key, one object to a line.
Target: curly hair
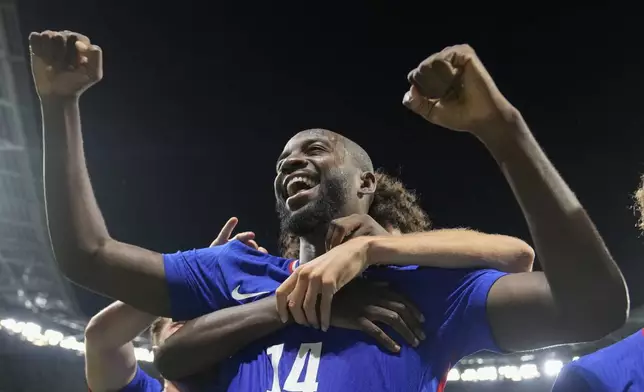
[
  {"x": 638, "y": 197},
  {"x": 393, "y": 205},
  {"x": 156, "y": 328}
]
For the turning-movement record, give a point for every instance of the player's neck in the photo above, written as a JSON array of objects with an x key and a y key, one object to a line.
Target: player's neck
[{"x": 312, "y": 246}]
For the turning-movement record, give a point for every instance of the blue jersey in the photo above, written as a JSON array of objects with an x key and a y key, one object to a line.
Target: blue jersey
[
  {"x": 303, "y": 359},
  {"x": 619, "y": 367},
  {"x": 142, "y": 382}
]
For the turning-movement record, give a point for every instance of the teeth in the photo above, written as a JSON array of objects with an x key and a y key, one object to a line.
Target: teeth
[
  {"x": 305, "y": 180},
  {"x": 298, "y": 184}
]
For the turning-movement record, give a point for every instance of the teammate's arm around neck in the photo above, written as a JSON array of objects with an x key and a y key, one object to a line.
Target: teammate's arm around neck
[
  {"x": 110, "y": 363},
  {"x": 83, "y": 248},
  {"x": 453, "y": 248}
]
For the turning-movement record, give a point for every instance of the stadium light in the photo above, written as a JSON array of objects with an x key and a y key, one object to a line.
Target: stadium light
[
  {"x": 552, "y": 367},
  {"x": 33, "y": 333}
]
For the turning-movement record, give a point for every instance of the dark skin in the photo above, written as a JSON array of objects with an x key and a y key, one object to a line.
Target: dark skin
[
  {"x": 65, "y": 65},
  {"x": 84, "y": 249},
  {"x": 314, "y": 153},
  {"x": 526, "y": 311},
  {"x": 581, "y": 294}
]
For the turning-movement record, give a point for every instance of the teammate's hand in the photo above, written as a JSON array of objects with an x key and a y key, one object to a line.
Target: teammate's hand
[
  {"x": 64, "y": 64},
  {"x": 247, "y": 237},
  {"x": 352, "y": 226},
  {"x": 362, "y": 304},
  {"x": 322, "y": 277},
  {"x": 453, "y": 89}
]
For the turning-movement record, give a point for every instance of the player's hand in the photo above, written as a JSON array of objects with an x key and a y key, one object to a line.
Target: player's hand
[
  {"x": 352, "y": 226},
  {"x": 247, "y": 237},
  {"x": 64, "y": 64},
  {"x": 361, "y": 304},
  {"x": 321, "y": 277},
  {"x": 453, "y": 89}
]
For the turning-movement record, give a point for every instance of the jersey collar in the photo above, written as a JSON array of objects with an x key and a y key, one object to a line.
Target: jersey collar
[{"x": 293, "y": 265}]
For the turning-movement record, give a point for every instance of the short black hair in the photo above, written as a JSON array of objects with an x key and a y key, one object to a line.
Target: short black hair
[{"x": 155, "y": 329}]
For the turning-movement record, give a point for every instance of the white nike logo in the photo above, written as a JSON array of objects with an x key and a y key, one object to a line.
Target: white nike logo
[{"x": 240, "y": 297}]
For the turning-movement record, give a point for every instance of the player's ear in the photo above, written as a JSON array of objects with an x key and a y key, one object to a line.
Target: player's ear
[{"x": 368, "y": 183}]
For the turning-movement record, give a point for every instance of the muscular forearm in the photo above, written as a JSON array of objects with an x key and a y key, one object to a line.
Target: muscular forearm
[
  {"x": 76, "y": 225},
  {"x": 580, "y": 271},
  {"x": 204, "y": 342},
  {"x": 82, "y": 246},
  {"x": 453, "y": 248}
]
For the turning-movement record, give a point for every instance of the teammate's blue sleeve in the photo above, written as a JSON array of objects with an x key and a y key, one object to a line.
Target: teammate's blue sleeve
[
  {"x": 195, "y": 282},
  {"x": 454, "y": 302},
  {"x": 466, "y": 326},
  {"x": 572, "y": 379},
  {"x": 142, "y": 382}
]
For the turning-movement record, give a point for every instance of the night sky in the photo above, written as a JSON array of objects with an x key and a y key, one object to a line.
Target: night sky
[{"x": 199, "y": 99}]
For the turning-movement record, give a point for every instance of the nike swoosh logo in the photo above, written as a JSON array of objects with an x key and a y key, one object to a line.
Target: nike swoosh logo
[{"x": 242, "y": 296}]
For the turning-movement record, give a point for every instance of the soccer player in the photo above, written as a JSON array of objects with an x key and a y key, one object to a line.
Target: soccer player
[
  {"x": 208, "y": 340},
  {"x": 323, "y": 176},
  {"x": 110, "y": 363}
]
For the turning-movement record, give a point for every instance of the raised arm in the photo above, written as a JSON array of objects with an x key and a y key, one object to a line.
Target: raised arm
[
  {"x": 110, "y": 363},
  {"x": 64, "y": 65},
  {"x": 581, "y": 295}
]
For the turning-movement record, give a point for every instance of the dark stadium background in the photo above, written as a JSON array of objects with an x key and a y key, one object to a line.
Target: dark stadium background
[{"x": 199, "y": 97}]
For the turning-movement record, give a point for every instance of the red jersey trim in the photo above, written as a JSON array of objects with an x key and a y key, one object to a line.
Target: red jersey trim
[{"x": 441, "y": 385}]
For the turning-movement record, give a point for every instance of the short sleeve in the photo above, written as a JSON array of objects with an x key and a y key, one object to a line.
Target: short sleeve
[
  {"x": 454, "y": 302},
  {"x": 571, "y": 379},
  {"x": 142, "y": 382},
  {"x": 466, "y": 326},
  {"x": 195, "y": 282}
]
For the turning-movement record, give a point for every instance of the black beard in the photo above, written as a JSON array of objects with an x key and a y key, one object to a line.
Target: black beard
[{"x": 332, "y": 197}]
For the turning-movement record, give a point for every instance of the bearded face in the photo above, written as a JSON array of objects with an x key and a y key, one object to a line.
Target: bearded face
[{"x": 321, "y": 206}]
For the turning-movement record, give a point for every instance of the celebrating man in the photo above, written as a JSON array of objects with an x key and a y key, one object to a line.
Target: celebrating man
[{"x": 322, "y": 178}]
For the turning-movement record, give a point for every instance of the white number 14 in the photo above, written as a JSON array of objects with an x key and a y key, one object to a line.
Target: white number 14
[{"x": 292, "y": 383}]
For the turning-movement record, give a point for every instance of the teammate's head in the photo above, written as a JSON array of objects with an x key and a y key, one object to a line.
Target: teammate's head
[
  {"x": 394, "y": 207},
  {"x": 321, "y": 176},
  {"x": 161, "y": 329},
  {"x": 639, "y": 204}
]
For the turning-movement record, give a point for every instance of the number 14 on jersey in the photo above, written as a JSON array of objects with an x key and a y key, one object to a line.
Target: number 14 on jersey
[{"x": 307, "y": 351}]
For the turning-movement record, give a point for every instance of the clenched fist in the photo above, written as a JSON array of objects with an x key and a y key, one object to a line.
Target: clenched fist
[
  {"x": 64, "y": 64},
  {"x": 453, "y": 89}
]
